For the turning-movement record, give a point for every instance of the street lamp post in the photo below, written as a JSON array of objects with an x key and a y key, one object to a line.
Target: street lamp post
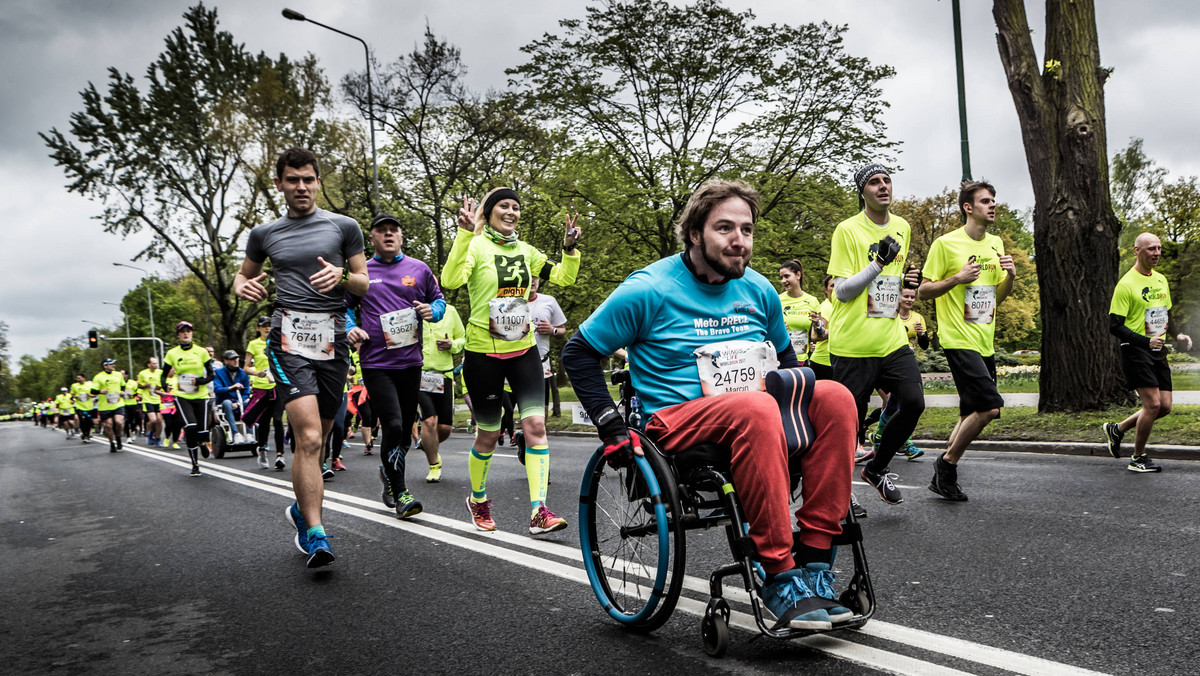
[
  {"x": 297, "y": 16},
  {"x": 149, "y": 302},
  {"x": 962, "y": 92},
  {"x": 128, "y": 343}
]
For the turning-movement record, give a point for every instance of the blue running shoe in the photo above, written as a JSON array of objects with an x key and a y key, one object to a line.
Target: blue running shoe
[
  {"x": 790, "y": 601},
  {"x": 319, "y": 553},
  {"x": 295, "y": 518},
  {"x": 820, "y": 579}
]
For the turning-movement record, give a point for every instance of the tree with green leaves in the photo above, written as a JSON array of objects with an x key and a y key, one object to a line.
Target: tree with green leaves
[
  {"x": 447, "y": 140},
  {"x": 191, "y": 156},
  {"x": 1060, "y": 105},
  {"x": 657, "y": 98}
]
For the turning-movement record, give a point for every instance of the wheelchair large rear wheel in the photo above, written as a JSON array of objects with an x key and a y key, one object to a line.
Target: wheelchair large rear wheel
[{"x": 632, "y": 539}]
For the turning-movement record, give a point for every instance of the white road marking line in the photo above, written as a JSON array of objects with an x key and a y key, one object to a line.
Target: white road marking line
[{"x": 861, "y": 654}]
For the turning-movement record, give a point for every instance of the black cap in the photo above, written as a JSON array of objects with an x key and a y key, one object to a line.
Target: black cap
[
  {"x": 264, "y": 321},
  {"x": 230, "y": 354},
  {"x": 384, "y": 217}
]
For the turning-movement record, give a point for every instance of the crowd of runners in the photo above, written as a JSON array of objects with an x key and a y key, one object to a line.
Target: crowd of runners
[{"x": 370, "y": 344}]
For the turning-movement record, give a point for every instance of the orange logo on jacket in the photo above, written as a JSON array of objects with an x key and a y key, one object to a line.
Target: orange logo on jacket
[{"x": 408, "y": 281}]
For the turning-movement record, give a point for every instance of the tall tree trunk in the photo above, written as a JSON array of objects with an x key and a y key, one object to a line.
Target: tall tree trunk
[{"x": 1061, "y": 110}]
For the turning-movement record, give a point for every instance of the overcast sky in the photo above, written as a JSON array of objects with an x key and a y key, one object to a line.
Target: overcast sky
[{"x": 56, "y": 261}]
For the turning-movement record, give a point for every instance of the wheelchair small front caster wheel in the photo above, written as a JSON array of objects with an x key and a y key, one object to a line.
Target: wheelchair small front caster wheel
[{"x": 714, "y": 630}]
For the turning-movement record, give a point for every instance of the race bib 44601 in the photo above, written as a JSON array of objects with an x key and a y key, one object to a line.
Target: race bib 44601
[
  {"x": 1156, "y": 321},
  {"x": 734, "y": 366},
  {"x": 307, "y": 334}
]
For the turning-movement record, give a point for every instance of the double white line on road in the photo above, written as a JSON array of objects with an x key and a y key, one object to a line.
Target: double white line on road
[{"x": 512, "y": 548}]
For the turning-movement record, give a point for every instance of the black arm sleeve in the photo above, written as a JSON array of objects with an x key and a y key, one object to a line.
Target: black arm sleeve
[
  {"x": 923, "y": 341},
  {"x": 162, "y": 379},
  {"x": 787, "y": 358},
  {"x": 208, "y": 374},
  {"x": 582, "y": 363},
  {"x": 1116, "y": 326}
]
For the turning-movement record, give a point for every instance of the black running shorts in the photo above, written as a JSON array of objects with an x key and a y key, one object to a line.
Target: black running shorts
[
  {"x": 441, "y": 405},
  {"x": 975, "y": 380},
  {"x": 1143, "y": 369},
  {"x": 297, "y": 376}
]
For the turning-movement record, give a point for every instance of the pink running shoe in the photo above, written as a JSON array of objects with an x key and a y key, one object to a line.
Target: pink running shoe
[
  {"x": 545, "y": 521},
  {"x": 481, "y": 514}
]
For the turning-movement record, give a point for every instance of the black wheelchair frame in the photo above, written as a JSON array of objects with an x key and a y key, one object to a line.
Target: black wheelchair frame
[{"x": 633, "y": 524}]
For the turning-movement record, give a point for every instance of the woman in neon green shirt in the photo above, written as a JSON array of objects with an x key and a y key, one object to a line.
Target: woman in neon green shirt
[
  {"x": 497, "y": 267},
  {"x": 799, "y": 307}
]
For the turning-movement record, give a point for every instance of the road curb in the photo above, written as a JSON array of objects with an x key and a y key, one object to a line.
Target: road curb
[{"x": 1158, "y": 451}]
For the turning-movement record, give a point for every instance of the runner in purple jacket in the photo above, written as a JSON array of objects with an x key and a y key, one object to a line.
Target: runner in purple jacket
[{"x": 402, "y": 292}]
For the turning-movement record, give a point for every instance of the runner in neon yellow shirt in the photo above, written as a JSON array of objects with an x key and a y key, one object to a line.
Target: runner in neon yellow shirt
[
  {"x": 968, "y": 274},
  {"x": 81, "y": 392},
  {"x": 799, "y": 308},
  {"x": 109, "y": 384},
  {"x": 497, "y": 268},
  {"x": 1140, "y": 317},
  {"x": 149, "y": 382},
  {"x": 867, "y": 341}
]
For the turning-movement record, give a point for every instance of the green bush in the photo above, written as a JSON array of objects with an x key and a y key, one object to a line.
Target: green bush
[
  {"x": 1029, "y": 359},
  {"x": 1181, "y": 358},
  {"x": 1003, "y": 358},
  {"x": 932, "y": 361}
]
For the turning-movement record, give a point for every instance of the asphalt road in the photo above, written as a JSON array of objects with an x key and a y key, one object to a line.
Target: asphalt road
[{"x": 121, "y": 563}]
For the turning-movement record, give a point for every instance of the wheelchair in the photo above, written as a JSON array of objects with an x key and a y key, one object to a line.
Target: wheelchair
[
  {"x": 633, "y": 524},
  {"x": 225, "y": 433}
]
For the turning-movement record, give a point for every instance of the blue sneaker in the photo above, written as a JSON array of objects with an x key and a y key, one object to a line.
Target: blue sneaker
[
  {"x": 295, "y": 518},
  {"x": 790, "y": 601},
  {"x": 319, "y": 553},
  {"x": 820, "y": 579}
]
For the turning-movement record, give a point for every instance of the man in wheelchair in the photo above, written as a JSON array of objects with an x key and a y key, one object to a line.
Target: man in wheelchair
[
  {"x": 700, "y": 330},
  {"x": 232, "y": 386}
]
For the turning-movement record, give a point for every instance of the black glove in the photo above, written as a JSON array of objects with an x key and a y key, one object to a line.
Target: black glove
[
  {"x": 920, "y": 277},
  {"x": 888, "y": 250},
  {"x": 618, "y": 439}
]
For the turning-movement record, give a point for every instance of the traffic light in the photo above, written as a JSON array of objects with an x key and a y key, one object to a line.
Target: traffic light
[{"x": 93, "y": 338}]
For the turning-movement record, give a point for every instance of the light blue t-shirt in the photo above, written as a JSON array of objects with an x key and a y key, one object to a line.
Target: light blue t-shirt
[{"x": 662, "y": 313}]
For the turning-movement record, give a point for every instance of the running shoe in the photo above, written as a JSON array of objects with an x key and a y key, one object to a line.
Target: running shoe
[
  {"x": 945, "y": 481},
  {"x": 175, "y": 445},
  {"x": 544, "y": 521},
  {"x": 820, "y": 579},
  {"x": 1112, "y": 436},
  {"x": 407, "y": 505},
  {"x": 338, "y": 466},
  {"x": 326, "y": 473},
  {"x": 792, "y": 603},
  {"x": 859, "y": 511},
  {"x": 389, "y": 498},
  {"x": 481, "y": 514},
  {"x": 912, "y": 452},
  {"x": 1142, "y": 464},
  {"x": 262, "y": 459},
  {"x": 885, "y": 483},
  {"x": 295, "y": 518},
  {"x": 280, "y": 463},
  {"x": 863, "y": 454},
  {"x": 112, "y": 447},
  {"x": 367, "y": 450},
  {"x": 435, "y": 473},
  {"x": 205, "y": 450},
  {"x": 195, "y": 470},
  {"x": 319, "y": 552}
]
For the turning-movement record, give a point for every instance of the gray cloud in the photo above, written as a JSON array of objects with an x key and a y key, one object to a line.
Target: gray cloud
[{"x": 57, "y": 261}]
